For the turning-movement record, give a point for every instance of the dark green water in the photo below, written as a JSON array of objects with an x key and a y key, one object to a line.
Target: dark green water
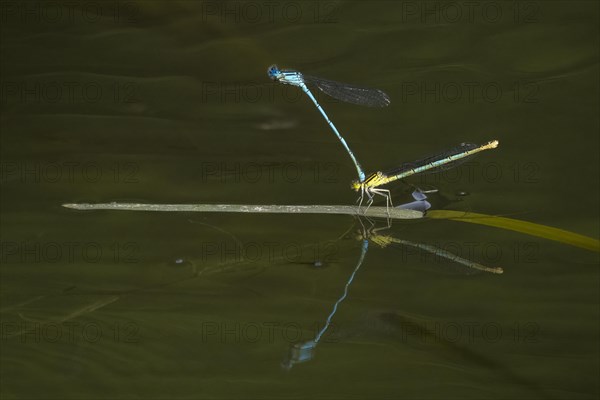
[{"x": 169, "y": 102}]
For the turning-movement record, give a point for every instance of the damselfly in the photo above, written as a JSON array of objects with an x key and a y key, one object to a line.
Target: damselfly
[
  {"x": 371, "y": 185},
  {"x": 340, "y": 91}
]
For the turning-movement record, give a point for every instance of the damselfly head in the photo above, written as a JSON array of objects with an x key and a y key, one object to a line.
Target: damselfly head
[
  {"x": 356, "y": 185},
  {"x": 274, "y": 72}
]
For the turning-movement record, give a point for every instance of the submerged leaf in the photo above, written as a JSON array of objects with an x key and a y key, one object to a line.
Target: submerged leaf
[{"x": 528, "y": 228}]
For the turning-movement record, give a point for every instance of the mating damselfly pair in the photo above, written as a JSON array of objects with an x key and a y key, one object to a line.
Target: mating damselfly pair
[{"x": 371, "y": 185}]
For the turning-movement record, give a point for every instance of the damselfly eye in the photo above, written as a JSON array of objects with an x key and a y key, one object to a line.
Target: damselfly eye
[{"x": 273, "y": 71}]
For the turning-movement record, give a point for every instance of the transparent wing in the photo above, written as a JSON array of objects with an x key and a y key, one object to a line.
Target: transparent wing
[
  {"x": 463, "y": 147},
  {"x": 349, "y": 93}
]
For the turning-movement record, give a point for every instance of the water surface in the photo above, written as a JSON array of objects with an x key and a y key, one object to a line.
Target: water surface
[{"x": 169, "y": 102}]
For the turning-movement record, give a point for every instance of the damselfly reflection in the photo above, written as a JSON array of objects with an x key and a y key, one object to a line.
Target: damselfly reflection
[{"x": 305, "y": 351}]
